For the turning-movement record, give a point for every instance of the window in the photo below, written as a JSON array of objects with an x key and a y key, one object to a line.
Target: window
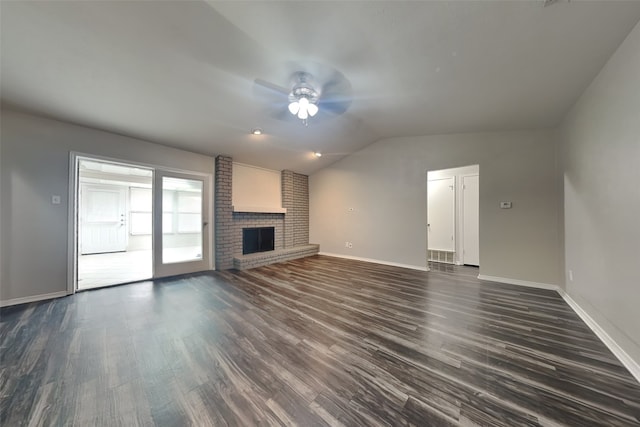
[
  {"x": 189, "y": 212},
  {"x": 181, "y": 211},
  {"x": 167, "y": 211},
  {"x": 182, "y": 200}
]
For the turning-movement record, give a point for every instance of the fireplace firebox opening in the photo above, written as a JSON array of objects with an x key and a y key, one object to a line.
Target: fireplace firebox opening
[{"x": 258, "y": 239}]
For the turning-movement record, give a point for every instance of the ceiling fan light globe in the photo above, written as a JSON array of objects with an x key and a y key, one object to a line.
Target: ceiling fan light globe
[
  {"x": 294, "y": 107},
  {"x": 303, "y": 114},
  {"x": 312, "y": 109}
]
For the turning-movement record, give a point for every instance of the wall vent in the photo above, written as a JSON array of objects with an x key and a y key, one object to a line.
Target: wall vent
[{"x": 446, "y": 257}]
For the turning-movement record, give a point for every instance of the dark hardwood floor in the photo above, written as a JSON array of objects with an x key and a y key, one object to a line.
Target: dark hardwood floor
[{"x": 316, "y": 341}]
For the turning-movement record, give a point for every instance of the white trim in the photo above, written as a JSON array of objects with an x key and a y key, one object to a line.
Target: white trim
[
  {"x": 34, "y": 298},
  {"x": 375, "y": 261},
  {"x": 623, "y": 357},
  {"x": 124, "y": 162},
  {"x": 72, "y": 227},
  {"x": 255, "y": 167},
  {"x": 259, "y": 209},
  {"x": 618, "y": 352},
  {"x": 519, "y": 282}
]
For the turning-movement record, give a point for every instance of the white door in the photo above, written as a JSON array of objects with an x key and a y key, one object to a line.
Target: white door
[
  {"x": 471, "y": 220},
  {"x": 441, "y": 214},
  {"x": 181, "y": 230},
  {"x": 102, "y": 219}
]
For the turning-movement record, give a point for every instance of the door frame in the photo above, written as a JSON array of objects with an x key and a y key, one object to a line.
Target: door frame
[
  {"x": 161, "y": 269},
  {"x": 461, "y": 216},
  {"x": 73, "y": 218},
  {"x": 458, "y": 172}
]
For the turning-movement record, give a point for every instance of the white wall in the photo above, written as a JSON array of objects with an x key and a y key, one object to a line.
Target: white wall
[
  {"x": 601, "y": 161},
  {"x": 34, "y": 166},
  {"x": 385, "y": 185}
]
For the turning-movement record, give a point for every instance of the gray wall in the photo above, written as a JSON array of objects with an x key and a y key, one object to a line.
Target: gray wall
[
  {"x": 385, "y": 185},
  {"x": 34, "y": 166},
  {"x": 601, "y": 150}
]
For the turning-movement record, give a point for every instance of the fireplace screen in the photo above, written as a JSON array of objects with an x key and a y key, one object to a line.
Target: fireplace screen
[{"x": 259, "y": 239}]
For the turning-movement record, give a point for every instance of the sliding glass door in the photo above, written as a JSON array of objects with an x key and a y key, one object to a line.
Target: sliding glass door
[
  {"x": 133, "y": 222},
  {"x": 181, "y": 237}
]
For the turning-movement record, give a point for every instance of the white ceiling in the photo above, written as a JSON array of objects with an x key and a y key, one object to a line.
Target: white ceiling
[{"x": 182, "y": 73}]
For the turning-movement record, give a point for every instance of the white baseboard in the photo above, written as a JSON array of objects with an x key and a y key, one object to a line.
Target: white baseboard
[
  {"x": 623, "y": 357},
  {"x": 376, "y": 261},
  {"x": 519, "y": 282},
  {"x": 34, "y": 298}
]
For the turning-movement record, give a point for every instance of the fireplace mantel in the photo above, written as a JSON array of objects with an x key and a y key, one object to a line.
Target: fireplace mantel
[
  {"x": 289, "y": 215},
  {"x": 259, "y": 209}
]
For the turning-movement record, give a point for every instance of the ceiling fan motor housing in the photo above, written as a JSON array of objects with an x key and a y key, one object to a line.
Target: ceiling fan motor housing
[{"x": 303, "y": 88}]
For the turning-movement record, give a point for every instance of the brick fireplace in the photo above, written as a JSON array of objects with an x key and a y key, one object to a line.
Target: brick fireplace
[{"x": 291, "y": 228}]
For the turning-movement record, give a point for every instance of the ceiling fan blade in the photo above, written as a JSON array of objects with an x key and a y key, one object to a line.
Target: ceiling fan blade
[
  {"x": 335, "y": 106},
  {"x": 334, "y": 92},
  {"x": 336, "y": 83},
  {"x": 336, "y": 95},
  {"x": 272, "y": 97},
  {"x": 274, "y": 87}
]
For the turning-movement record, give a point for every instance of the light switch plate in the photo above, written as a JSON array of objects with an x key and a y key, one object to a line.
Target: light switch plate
[{"x": 505, "y": 205}]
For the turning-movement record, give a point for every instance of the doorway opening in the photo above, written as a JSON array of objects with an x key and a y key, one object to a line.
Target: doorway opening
[
  {"x": 114, "y": 223},
  {"x": 135, "y": 222},
  {"x": 453, "y": 212}
]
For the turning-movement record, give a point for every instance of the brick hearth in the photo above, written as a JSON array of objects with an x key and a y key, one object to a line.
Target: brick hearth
[{"x": 291, "y": 228}]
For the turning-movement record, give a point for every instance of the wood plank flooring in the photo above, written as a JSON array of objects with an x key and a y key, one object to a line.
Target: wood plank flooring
[{"x": 315, "y": 341}]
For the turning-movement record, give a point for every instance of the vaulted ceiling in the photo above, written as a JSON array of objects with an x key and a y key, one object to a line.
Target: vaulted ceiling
[{"x": 182, "y": 73}]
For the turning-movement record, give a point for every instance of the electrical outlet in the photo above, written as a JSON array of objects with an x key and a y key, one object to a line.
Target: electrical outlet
[
  {"x": 55, "y": 200},
  {"x": 346, "y": 244},
  {"x": 350, "y": 245}
]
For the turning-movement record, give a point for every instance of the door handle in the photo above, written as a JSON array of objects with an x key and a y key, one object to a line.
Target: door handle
[{"x": 204, "y": 224}]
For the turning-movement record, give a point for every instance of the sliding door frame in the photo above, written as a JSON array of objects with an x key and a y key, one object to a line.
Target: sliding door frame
[
  {"x": 166, "y": 269},
  {"x": 73, "y": 218}
]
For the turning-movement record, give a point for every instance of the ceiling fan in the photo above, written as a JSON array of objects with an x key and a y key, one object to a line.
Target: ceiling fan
[{"x": 313, "y": 91}]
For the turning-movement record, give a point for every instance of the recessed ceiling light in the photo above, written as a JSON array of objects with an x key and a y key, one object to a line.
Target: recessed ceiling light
[
  {"x": 256, "y": 131},
  {"x": 317, "y": 154}
]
